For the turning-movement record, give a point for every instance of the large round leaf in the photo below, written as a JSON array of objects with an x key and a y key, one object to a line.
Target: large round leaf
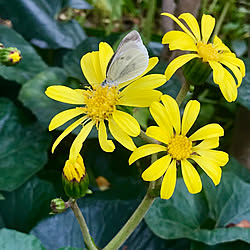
[
  {"x": 32, "y": 95},
  {"x": 37, "y": 21},
  {"x": 105, "y": 214},
  {"x": 187, "y": 216},
  {"x": 23, "y": 147},
  {"x": 244, "y": 90},
  {"x": 13, "y": 240},
  {"x": 31, "y": 62},
  {"x": 24, "y": 207}
]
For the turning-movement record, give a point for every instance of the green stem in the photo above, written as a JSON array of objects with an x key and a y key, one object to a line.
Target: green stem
[
  {"x": 84, "y": 228},
  {"x": 212, "y": 5},
  {"x": 222, "y": 17},
  {"x": 183, "y": 92},
  {"x": 133, "y": 221},
  {"x": 147, "y": 138}
]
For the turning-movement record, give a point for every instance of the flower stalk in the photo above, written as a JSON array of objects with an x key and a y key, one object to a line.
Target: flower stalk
[
  {"x": 133, "y": 221},
  {"x": 84, "y": 228}
]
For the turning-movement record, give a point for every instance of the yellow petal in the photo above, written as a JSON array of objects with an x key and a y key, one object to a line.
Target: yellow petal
[
  {"x": 169, "y": 181},
  {"x": 88, "y": 65},
  {"x": 235, "y": 71},
  {"x": 179, "y": 40},
  {"x": 207, "y": 144},
  {"x": 105, "y": 54},
  {"x": 229, "y": 57},
  {"x": 191, "y": 177},
  {"x": 173, "y": 112},
  {"x": 157, "y": 169},
  {"x": 157, "y": 133},
  {"x": 151, "y": 64},
  {"x": 210, "y": 168},
  {"x": 145, "y": 150},
  {"x": 65, "y": 94},
  {"x": 159, "y": 113},
  {"x": 218, "y": 71},
  {"x": 120, "y": 135},
  {"x": 67, "y": 131},
  {"x": 221, "y": 158},
  {"x": 207, "y": 131},
  {"x": 106, "y": 145},
  {"x": 139, "y": 98},
  {"x": 178, "y": 63},
  {"x": 180, "y": 24},
  {"x": 190, "y": 114},
  {"x": 228, "y": 87},
  {"x": 207, "y": 27},
  {"x": 148, "y": 82},
  {"x": 81, "y": 137},
  {"x": 64, "y": 116},
  {"x": 127, "y": 123},
  {"x": 219, "y": 45},
  {"x": 225, "y": 81},
  {"x": 192, "y": 24}
]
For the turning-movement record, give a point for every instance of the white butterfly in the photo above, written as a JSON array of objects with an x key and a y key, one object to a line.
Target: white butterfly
[{"x": 129, "y": 61}]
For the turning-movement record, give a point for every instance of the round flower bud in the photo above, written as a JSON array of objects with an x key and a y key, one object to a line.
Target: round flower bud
[
  {"x": 196, "y": 72},
  {"x": 74, "y": 178},
  {"x": 57, "y": 206},
  {"x": 10, "y": 56}
]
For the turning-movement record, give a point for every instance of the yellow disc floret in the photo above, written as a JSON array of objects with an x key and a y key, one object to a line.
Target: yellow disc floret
[
  {"x": 74, "y": 170},
  {"x": 15, "y": 57},
  {"x": 207, "y": 52},
  {"x": 180, "y": 147},
  {"x": 101, "y": 102}
]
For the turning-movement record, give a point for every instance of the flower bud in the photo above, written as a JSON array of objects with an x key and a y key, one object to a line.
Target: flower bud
[
  {"x": 10, "y": 56},
  {"x": 57, "y": 206},
  {"x": 74, "y": 178},
  {"x": 196, "y": 72}
]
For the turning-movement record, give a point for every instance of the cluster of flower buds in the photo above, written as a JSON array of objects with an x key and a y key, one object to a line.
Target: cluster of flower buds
[{"x": 9, "y": 56}]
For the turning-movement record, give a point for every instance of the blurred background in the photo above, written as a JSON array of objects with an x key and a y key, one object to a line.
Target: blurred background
[{"x": 52, "y": 36}]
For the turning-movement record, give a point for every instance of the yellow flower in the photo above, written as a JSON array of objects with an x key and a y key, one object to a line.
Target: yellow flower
[
  {"x": 99, "y": 104},
  {"x": 216, "y": 54},
  {"x": 180, "y": 149}
]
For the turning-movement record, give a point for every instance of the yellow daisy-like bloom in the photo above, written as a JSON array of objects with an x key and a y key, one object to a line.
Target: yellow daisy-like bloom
[
  {"x": 216, "y": 54},
  {"x": 181, "y": 150},
  {"x": 98, "y": 104}
]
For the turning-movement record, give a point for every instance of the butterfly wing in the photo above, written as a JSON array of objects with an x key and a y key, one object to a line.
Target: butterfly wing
[{"x": 129, "y": 61}]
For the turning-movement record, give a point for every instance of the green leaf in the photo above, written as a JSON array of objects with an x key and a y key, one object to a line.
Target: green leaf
[
  {"x": 23, "y": 147},
  {"x": 37, "y": 21},
  {"x": 31, "y": 62},
  {"x": 71, "y": 61},
  {"x": 24, "y": 207},
  {"x": 32, "y": 95},
  {"x": 188, "y": 216},
  {"x": 97, "y": 210},
  {"x": 1, "y": 197},
  {"x": 244, "y": 89},
  {"x": 13, "y": 240}
]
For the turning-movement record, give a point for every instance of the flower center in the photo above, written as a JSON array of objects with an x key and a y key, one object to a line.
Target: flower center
[
  {"x": 180, "y": 147},
  {"x": 15, "y": 57},
  {"x": 207, "y": 52},
  {"x": 101, "y": 102}
]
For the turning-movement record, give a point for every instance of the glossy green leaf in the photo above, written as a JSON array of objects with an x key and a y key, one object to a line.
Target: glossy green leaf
[
  {"x": 24, "y": 207},
  {"x": 13, "y": 240},
  {"x": 244, "y": 89},
  {"x": 189, "y": 216},
  {"x": 23, "y": 147},
  {"x": 97, "y": 210},
  {"x": 31, "y": 62},
  {"x": 37, "y": 21},
  {"x": 32, "y": 95}
]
